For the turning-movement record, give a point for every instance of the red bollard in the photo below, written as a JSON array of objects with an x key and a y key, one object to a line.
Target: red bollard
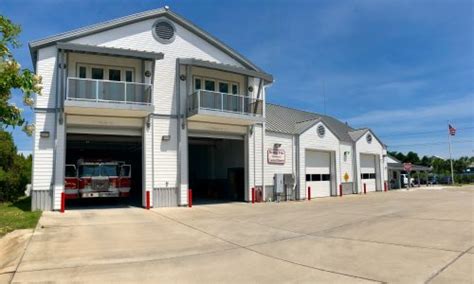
[
  {"x": 385, "y": 186},
  {"x": 309, "y": 192},
  {"x": 190, "y": 198},
  {"x": 148, "y": 200},
  {"x": 340, "y": 190},
  {"x": 253, "y": 195},
  {"x": 63, "y": 202},
  {"x": 365, "y": 188}
]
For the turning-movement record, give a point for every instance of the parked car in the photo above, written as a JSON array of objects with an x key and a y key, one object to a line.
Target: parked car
[
  {"x": 434, "y": 179},
  {"x": 404, "y": 178}
]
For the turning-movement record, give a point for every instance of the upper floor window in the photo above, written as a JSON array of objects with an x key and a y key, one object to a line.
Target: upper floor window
[
  {"x": 98, "y": 72},
  {"x": 214, "y": 85}
]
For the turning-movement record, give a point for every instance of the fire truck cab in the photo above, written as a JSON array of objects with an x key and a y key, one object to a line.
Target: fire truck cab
[{"x": 90, "y": 179}]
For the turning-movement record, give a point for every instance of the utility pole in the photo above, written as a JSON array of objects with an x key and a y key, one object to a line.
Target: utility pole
[{"x": 450, "y": 154}]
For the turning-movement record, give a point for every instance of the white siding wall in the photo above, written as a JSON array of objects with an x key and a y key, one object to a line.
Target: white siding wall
[
  {"x": 43, "y": 152},
  {"x": 310, "y": 140},
  {"x": 374, "y": 148},
  {"x": 46, "y": 68},
  {"x": 346, "y": 164},
  {"x": 286, "y": 142},
  {"x": 255, "y": 165}
]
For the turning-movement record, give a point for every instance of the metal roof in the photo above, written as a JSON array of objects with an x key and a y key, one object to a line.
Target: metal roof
[
  {"x": 109, "y": 50},
  {"x": 292, "y": 121},
  {"x": 225, "y": 67},
  {"x": 115, "y": 23},
  {"x": 399, "y": 166}
]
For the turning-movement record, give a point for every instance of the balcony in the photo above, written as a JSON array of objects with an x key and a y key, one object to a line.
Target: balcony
[
  {"x": 209, "y": 106},
  {"x": 103, "y": 97}
]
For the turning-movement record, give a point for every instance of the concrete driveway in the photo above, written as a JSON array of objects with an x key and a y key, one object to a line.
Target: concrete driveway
[{"x": 407, "y": 237}]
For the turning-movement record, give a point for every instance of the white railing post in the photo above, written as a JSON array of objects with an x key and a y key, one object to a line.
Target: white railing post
[
  {"x": 198, "y": 99},
  {"x": 97, "y": 91},
  {"x": 125, "y": 91},
  {"x": 222, "y": 101},
  {"x": 67, "y": 88},
  {"x": 242, "y": 105}
]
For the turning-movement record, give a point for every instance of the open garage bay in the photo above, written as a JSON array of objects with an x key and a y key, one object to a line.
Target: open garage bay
[{"x": 409, "y": 237}]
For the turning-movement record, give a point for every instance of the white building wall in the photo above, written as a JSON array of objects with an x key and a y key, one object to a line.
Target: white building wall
[
  {"x": 255, "y": 163},
  {"x": 310, "y": 140},
  {"x": 286, "y": 142},
  {"x": 43, "y": 150},
  {"x": 46, "y": 68},
  {"x": 374, "y": 148},
  {"x": 346, "y": 162}
]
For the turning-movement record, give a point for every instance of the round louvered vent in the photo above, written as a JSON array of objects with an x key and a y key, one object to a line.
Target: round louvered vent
[
  {"x": 369, "y": 138},
  {"x": 163, "y": 31},
  {"x": 321, "y": 131}
]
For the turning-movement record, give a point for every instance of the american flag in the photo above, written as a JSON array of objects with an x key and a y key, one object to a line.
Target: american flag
[{"x": 452, "y": 130}]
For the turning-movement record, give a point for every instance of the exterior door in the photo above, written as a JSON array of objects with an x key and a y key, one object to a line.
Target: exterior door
[
  {"x": 368, "y": 172},
  {"x": 318, "y": 173}
]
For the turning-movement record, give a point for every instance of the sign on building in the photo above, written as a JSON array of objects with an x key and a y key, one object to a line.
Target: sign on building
[
  {"x": 407, "y": 167},
  {"x": 276, "y": 156}
]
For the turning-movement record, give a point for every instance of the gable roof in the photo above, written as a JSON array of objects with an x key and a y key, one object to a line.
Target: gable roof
[
  {"x": 119, "y": 22},
  {"x": 292, "y": 121},
  {"x": 356, "y": 134}
]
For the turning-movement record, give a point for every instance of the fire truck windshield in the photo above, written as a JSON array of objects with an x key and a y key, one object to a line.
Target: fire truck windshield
[{"x": 97, "y": 170}]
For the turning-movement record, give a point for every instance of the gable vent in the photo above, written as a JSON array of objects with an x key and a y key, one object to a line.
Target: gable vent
[
  {"x": 321, "y": 131},
  {"x": 164, "y": 31}
]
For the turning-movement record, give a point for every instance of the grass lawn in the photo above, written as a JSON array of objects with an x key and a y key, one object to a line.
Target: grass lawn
[{"x": 17, "y": 215}]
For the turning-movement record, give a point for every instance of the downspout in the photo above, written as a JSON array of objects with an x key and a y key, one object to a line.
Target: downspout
[
  {"x": 178, "y": 126},
  {"x": 297, "y": 159},
  {"x": 354, "y": 166},
  {"x": 59, "y": 86}
]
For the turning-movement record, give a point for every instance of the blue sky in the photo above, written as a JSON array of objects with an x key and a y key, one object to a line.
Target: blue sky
[{"x": 402, "y": 68}]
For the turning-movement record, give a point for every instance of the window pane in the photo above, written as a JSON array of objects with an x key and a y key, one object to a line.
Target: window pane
[
  {"x": 316, "y": 177},
  {"x": 209, "y": 85},
  {"x": 109, "y": 170},
  {"x": 82, "y": 72},
  {"x": 326, "y": 177},
  {"x": 97, "y": 73},
  {"x": 114, "y": 75},
  {"x": 223, "y": 87},
  {"x": 70, "y": 171},
  {"x": 308, "y": 177},
  {"x": 197, "y": 84},
  {"x": 128, "y": 76},
  {"x": 235, "y": 89}
]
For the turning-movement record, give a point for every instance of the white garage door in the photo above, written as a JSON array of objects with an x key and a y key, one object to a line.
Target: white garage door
[
  {"x": 368, "y": 171},
  {"x": 318, "y": 173}
]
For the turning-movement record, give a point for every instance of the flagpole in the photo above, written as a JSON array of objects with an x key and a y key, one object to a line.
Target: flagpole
[{"x": 450, "y": 155}]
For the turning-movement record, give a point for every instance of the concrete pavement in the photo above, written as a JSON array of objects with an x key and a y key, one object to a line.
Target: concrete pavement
[{"x": 397, "y": 237}]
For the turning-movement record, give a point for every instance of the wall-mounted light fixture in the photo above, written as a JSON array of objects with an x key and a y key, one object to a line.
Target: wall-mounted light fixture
[
  {"x": 346, "y": 155},
  {"x": 250, "y": 89},
  {"x": 44, "y": 134},
  {"x": 166, "y": 137},
  {"x": 147, "y": 73},
  {"x": 182, "y": 77},
  {"x": 276, "y": 145}
]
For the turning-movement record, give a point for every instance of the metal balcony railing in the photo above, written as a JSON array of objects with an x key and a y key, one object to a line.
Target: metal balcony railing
[
  {"x": 91, "y": 90},
  {"x": 224, "y": 102}
]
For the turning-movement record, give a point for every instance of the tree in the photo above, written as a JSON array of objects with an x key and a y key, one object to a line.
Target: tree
[
  {"x": 412, "y": 157},
  {"x": 15, "y": 170},
  {"x": 13, "y": 77}
]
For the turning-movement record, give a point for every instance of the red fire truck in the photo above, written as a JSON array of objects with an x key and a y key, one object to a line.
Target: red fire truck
[{"x": 91, "y": 179}]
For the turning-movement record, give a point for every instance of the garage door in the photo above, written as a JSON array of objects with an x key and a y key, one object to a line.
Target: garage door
[
  {"x": 318, "y": 173},
  {"x": 368, "y": 171}
]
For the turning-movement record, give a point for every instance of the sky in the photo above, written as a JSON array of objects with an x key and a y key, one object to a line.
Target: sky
[{"x": 402, "y": 68}]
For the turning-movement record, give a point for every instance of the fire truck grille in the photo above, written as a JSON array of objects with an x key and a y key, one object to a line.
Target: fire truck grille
[{"x": 100, "y": 184}]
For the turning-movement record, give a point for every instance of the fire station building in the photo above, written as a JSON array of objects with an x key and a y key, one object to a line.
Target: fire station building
[{"x": 169, "y": 107}]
